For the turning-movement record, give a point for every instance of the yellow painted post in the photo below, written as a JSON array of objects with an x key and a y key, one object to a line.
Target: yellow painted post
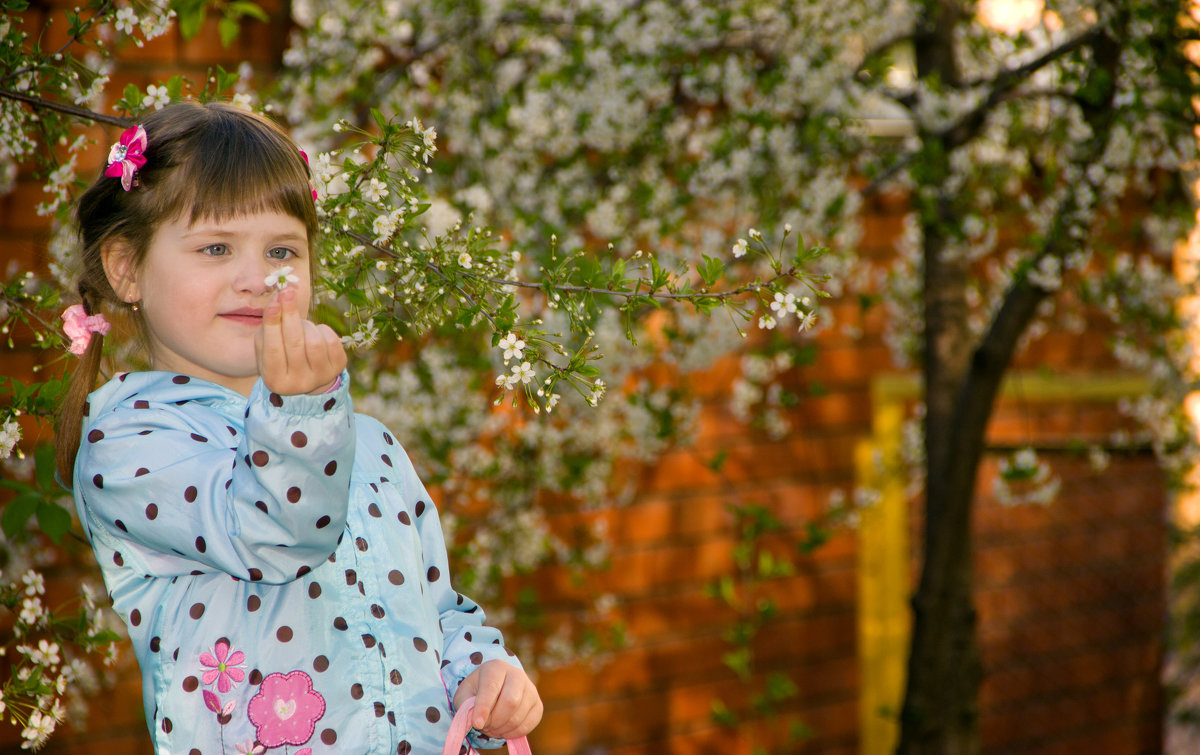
[{"x": 883, "y": 573}]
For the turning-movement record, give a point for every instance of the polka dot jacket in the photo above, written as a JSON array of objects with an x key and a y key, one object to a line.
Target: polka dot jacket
[{"x": 280, "y": 568}]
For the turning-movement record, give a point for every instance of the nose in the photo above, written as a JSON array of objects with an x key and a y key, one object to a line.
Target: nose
[{"x": 250, "y": 276}]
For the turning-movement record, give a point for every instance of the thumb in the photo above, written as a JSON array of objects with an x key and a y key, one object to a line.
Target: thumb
[{"x": 466, "y": 690}]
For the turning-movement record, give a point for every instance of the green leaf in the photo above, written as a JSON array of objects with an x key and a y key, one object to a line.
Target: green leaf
[
  {"x": 228, "y": 27},
  {"x": 54, "y": 520},
  {"x": 246, "y": 8},
  {"x": 225, "y": 79},
  {"x": 45, "y": 466},
  {"x": 132, "y": 94},
  {"x": 17, "y": 512},
  {"x": 191, "y": 15},
  {"x": 379, "y": 119}
]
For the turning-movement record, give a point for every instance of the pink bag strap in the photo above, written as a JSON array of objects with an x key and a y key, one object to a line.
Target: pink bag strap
[{"x": 462, "y": 724}]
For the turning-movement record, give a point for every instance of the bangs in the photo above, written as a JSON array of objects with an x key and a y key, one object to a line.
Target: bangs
[{"x": 234, "y": 164}]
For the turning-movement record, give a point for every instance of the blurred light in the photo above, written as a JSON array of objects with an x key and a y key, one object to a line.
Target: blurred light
[{"x": 1010, "y": 16}]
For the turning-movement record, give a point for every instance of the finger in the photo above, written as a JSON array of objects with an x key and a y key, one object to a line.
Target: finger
[
  {"x": 510, "y": 705},
  {"x": 291, "y": 328},
  {"x": 466, "y": 690},
  {"x": 316, "y": 355},
  {"x": 526, "y": 721},
  {"x": 491, "y": 682},
  {"x": 271, "y": 354}
]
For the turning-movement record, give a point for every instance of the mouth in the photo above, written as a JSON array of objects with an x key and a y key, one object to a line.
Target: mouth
[{"x": 245, "y": 316}]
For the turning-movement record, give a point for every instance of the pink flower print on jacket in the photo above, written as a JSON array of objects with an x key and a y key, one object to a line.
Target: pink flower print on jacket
[
  {"x": 286, "y": 709},
  {"x": 224, "y": 667}
]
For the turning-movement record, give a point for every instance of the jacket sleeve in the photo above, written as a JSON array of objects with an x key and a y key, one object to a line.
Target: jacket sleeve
[
  {"x": 467, "y": 641},
  {"x": 168, "y": 500}
]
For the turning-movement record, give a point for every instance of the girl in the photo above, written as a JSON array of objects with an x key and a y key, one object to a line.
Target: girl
[{"x": 279, "y": 565}]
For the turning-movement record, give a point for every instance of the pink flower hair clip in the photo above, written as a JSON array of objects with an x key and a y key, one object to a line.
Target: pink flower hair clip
[
  {"x": 79, "y": 326},
  {"x": 126, "y": 157}
]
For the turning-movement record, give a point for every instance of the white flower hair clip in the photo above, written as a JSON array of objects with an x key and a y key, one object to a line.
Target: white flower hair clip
[{"x": 281, "y": 278}]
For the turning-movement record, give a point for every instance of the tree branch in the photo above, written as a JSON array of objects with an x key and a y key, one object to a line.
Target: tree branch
[
  {"x": 968, "y": 126},
  {"x": 62, "y": 107}
]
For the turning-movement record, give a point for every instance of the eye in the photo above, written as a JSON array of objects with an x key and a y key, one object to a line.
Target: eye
[
  {"x": 281, "y": 253},
  {"x": 215, "y": 250}
]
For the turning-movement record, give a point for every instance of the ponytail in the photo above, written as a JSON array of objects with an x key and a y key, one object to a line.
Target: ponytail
[{"x": 74, "y": 405}]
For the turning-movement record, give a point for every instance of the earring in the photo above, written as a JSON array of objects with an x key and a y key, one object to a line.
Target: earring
[{"x": 134, "y": 306}]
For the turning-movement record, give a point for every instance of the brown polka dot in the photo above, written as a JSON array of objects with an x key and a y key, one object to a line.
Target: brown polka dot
[
  {"x": 141, "y": 472},
  {"x": 320, "y": 663},
  {"x": 118, "y": 559},
  {"x": 190, "y": 494},
  {"x": 98, "y": 481},
  {"x": 302, "y": 571},
  {"x": 420, "y": 644},
  {"x": 404, "y": 518},
  {"x": 329, "y": 404},
  {"x": 166, "y": 725},
  {"x": 340, "y": 624},
  {"x": 135, "y": 617},
  {"x": 323, "y": 522},
  {"x": 360, "y": 543},
  {"x": 255, "y": 676},
  {"x": 199, "y": 438},
  {"x": 261, "y": 506},
  {"x": 377, "y": 610},
  {"x": 196, "y": 611},
  {"x": 356, "y": 691},
  {"x": 368, "y": 640},
  {"x": 314, "y": 591},
  {"x": 386, "y": 459},
  {"x": 395, "y": 677},
  {"x": 387, "y": 438},
  {"x": 194, "y": 751},
  {"x": 201, "y": 545},
  {"x": 260, "y": 458},
  {"x": 395, "y": 577},
  {"x": 284, "y": 634},
  {"x": 141, "y": 404},
  {"x": 255, "y": 574},
  {"x": 404, "y": 748},
  {"x": 253, "y": 603},
  {"x": 181, "y": 379},
  {"x": 432, "y": 715},
  {"x": 420, "y": 508},
  {"x": 331, "y": 469},
  {"x": 190, "y": 684},
  {"x": 374, "y": 511},
  {"x": 433, "y": 574},
  {"x": 379, "y": 710},
  {"x": 329, "y": 736},
  {"x": 95, "y": 436},
  {"x": 152, "y": 511},
  {"x": 351, "y": 577},
  {"x": 299, "y": 439},
  {"x": 293, "y": 494},
  {"x": 275, "y": 399},
  {"x": 155, "y": 644},
  {"x": 477, "y": 658}
]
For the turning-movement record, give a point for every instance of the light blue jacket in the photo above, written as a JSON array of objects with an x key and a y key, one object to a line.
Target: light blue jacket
[{"x": 280, "y": 567}]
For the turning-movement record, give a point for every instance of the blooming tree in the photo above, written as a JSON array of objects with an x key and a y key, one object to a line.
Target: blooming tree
[
  {"x": 1016, "y": 130},
  {"x": 603, "y": 158},
  {"x": 496, "y": 324}
]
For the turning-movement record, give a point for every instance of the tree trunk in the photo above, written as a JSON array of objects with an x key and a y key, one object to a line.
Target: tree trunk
[{"x": 940, "y": 713}]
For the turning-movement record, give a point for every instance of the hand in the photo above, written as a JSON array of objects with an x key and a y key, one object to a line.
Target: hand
[
  {"x": 295, "y": 355},
  {"x": 507, "y": 704}
]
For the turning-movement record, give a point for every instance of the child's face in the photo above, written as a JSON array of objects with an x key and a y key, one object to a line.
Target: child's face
[{"x": 202, "y": 289}]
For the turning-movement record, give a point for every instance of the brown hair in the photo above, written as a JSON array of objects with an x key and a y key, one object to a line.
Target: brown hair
[{"x": 203, "y": 161}]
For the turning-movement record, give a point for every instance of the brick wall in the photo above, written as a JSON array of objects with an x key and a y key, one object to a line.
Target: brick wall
[{"x": 1070, "y": 597}]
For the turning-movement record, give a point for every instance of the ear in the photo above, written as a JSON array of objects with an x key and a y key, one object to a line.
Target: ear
[{"x": 121, "y": 270}]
